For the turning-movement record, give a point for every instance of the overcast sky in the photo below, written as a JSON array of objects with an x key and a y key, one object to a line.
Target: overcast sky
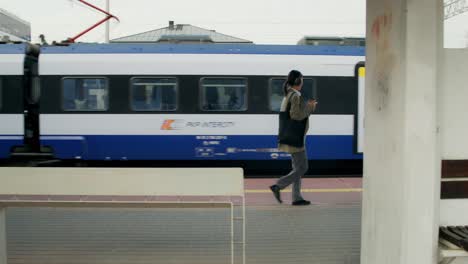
[{"x": 261, "y": 21}]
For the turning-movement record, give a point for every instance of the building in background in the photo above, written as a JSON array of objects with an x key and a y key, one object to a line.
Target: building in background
[
  {"x": 332, "y": 41},
  {"x": 181, "y": 34},
  {"x": 13, "y": 28}
]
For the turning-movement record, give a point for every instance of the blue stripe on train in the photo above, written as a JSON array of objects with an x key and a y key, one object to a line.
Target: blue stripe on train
[
  {"x": 7, "y": 143},
  {"x": 13, "y": 48},
  {"x": 205, "y": 49},
  {"x": 193, "y": 147}
]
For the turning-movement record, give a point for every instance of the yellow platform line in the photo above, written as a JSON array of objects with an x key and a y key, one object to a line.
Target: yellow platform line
[{"x": 342, "y": 190}]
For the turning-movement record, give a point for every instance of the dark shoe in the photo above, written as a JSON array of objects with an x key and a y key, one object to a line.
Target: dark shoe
[
  {"x": 301, "y": 202},
  {"x": 276, "y": 192}
]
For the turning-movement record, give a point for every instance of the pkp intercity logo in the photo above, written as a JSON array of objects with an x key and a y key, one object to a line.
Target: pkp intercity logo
[
  {"x": 173, "y": 124},
  {"x": 177, "y": 124}
]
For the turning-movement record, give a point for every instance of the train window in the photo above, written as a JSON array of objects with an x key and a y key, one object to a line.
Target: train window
[
  {"x": 85, "y": 94},
  {"x": 276, "y": 94},
  {"x": 154, "y": 94},
  {"x": 223, "y": 94},
  {"x": 309, "y": 91}
]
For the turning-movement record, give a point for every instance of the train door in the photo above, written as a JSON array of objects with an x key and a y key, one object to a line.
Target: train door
[
  {"x": 31, "y": 105},
  {"x": 360, "y": 74}
]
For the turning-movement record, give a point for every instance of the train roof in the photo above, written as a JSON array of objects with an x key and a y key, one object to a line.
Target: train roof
[{"x": 204, "y": 49}]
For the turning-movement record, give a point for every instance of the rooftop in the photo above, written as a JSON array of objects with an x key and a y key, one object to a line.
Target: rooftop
[{"x": 180, "y": 33}]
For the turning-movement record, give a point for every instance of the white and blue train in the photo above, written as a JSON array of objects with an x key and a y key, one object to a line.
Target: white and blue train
[
  {"x": 18, "y": 99},
  {"x": 199, "y": 103}
]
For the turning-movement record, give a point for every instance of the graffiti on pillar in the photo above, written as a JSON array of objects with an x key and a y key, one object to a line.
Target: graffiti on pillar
[{"x": 385, "y": 56}]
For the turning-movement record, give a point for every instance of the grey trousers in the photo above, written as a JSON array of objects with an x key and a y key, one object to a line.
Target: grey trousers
[{"x": 300, "y": 165}]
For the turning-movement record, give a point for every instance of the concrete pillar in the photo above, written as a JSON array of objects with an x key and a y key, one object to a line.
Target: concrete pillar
[
  {"x": 401, "y": 149},
  {"x": 3, "y": 240}
]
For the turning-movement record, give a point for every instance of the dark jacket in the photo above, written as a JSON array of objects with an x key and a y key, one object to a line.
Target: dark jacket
[{"x": 294, "y": 122}]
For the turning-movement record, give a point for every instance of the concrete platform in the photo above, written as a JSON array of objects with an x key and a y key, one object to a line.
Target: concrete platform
[{"x": 327, "y": 232}]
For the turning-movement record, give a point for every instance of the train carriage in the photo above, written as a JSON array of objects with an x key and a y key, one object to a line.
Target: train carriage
[{"x": 193, "y": 102}]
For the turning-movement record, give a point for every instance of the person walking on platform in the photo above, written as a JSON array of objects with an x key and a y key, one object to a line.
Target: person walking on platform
[{"x": 293, "y": 127}]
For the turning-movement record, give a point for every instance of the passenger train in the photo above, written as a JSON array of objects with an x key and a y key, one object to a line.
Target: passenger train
[{"x": 192, "y": 103}]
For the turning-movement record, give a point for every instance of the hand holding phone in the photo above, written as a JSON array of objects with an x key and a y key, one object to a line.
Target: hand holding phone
[{"x": 312, "y": 102}]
